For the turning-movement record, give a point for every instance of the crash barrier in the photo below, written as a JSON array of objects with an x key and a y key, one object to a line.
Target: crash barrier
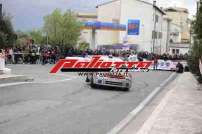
[
  {"x": 3, "y": 69},
  {"x": 2, "y": 61},
  {"x": 167, "y": 65},
  {"x": 19, "y": 58}
]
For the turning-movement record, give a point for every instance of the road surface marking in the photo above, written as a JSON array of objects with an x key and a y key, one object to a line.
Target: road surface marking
[
  {"x": 21, "y": 83},
  {"x": 51, "y": 82},
  {"x": 121, "y": 125},
  {"x": 13, "y": 84}
]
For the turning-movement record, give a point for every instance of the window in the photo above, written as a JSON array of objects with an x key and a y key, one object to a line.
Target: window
[
  {"x": 157, "y": 35},
  {"x": 171, "y": 41},
  {"x": 160, "y": 35},
  {"x": 154, "y": 35},
  {"x": 173, "y": 51},
  {"x": 177, "y": 51},
  {"x": 157, "y": 18},
  {"x": 115, "y": 20}
]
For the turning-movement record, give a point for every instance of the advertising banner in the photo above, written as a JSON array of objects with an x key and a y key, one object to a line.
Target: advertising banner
[
  {"x": 133, "y": 27},
  {"x": 103, "y": 25},
  {"x": 167, "y": 65}
]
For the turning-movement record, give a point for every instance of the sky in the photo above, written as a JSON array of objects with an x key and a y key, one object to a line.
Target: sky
[{"x": 28, "y": 14}]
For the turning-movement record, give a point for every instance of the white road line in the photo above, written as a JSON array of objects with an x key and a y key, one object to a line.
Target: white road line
[
  {"x": 121, "y": 125},
  {"x": 21, "y": 83},
  {"x": 13, "y": 84},
  {"x": 51, "y": 82}
]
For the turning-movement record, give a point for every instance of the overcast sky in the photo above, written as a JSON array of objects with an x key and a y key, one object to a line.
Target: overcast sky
[{"x": 28, "y": 14}]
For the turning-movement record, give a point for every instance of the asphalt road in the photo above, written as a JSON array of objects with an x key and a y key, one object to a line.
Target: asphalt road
[{"x": 64, "y": 104}]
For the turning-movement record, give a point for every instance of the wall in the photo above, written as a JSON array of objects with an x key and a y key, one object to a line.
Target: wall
[
  {"x": 165, "y": 39},
  {"x": 122, "y": 11},
  {"x": 134, "y": 9},
  {"x": 183, "y": 48},
  {"x": 175, "y": 29},
  {"x": 181, "y": 19},
  {"x": 86, "y": 34},
  {"x": 108, "y": 13}
]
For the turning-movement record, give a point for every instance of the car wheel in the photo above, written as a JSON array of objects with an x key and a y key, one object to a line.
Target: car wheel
[
  {"x": 126, "y": 89},
  {"x": 92, "y": 84},
  {"x": 87, "y": 79}
]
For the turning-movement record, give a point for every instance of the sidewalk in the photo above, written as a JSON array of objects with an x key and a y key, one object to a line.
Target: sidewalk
[{"x": 179, "y": 112}]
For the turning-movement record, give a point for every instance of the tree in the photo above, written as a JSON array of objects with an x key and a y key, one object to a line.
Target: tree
[
  {"x": 196, "y": 52},
  {"x": 7, "y": 34},
  {"x": 37, "y": 36},
  {"x": 22, "y": 38},
  {"x": 62, "y": 29},
  {"x": 83, "y": 45}
]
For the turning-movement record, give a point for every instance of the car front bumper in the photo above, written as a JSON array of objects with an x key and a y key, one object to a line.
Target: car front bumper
[{"x": 113, "y": 82}]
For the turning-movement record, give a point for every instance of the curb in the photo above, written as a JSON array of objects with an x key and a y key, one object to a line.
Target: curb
[{"x": 121, "y": 125}]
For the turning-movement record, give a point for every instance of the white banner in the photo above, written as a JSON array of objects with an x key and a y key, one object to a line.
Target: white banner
[{"x": 167, "y": 65}]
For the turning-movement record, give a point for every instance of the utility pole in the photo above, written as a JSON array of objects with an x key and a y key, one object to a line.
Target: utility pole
[
  {"x": 168, "y": 34},
  {"x": 47, "y": 38},
  {"x": 1, "y": 12},
  {"x": 154, "y": 31}
]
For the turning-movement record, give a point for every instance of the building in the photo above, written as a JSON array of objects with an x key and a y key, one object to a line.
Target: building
[
  {"x": 145, "y": 30},
  {"x": 86, "y": 34},
  {"x": 118, "y": 25},
  {"x": 180, "y": 25},
  {"x": 179, "y": 48},
  {"x": 175, "y": 33},
  {"x": 180, "y": 18},
  {"x": 166, "y": 35}
]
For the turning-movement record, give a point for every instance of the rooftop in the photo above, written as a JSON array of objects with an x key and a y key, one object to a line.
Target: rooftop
[
  {"x": 87, "y": 15},
  {"x": 176, "y": 9},
  {"x": 159, "y": 9}
]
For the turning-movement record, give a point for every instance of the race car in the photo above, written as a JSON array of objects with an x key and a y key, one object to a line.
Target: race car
[{"x": 112, "y": 79}]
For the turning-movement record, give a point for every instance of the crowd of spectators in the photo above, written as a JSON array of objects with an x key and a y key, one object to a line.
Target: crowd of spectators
[
  {"x": 126, "y": 53},
  {"x": 47, "y": 54},
  {"x": 32, "y": 55},
  {"x": 152, "y": 56}
]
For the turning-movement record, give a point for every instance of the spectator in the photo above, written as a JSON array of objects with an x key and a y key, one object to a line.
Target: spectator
[
  {"x": 179, "y": 68},
  {"x": 156, "y": 62}
]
